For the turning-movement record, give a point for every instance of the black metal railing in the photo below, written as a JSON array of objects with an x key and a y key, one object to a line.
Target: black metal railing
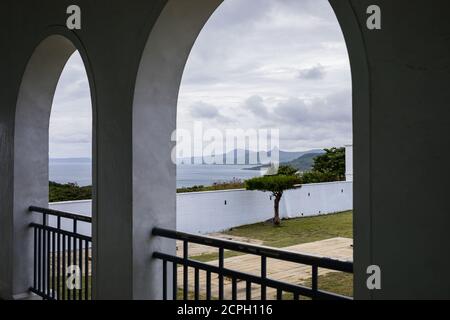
[
  {"x": 282, "y": 290},
  {"x": 61, "y": 256}
]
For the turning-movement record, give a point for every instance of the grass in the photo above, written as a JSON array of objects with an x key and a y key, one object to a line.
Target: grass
[
  {"x": 217, "y": 186},
  {"x": 300, "y": 230},
  {"x": 74, "y": 294},
  {"x": 291, "y": 232},
  {"x": 335, "y": 282}
]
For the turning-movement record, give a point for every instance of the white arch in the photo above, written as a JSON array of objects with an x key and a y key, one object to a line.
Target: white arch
[
  {"x": 154, "y": 119},
  {"x": 31, "y": 151}
]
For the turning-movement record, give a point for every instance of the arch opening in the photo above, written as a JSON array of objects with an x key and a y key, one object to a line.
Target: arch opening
[
  {"x": 70, "y": 142},
  {"x": 155, "y": 106},
  {"x": 277, "y": 66},
  {"x": 31, "y": 149}
]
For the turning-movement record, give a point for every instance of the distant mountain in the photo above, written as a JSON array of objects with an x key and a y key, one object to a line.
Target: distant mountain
[
  {"x": 284, "y": 156},
  {"x": 303, "y": 163},
  {"x": 291, "y": 156}
]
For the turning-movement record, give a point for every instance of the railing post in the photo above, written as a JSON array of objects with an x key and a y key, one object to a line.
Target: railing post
[
  {"x": 185, "y": 270},
  {"x": 315, "y": 278},
  {"x": 221, "y": 265},
  {"x": 165, "y": 280},
  {"x": 174, "y": 281},
  {"x": 263, "y": 277}
]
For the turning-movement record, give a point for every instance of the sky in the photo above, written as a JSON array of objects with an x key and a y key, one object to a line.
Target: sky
[{"x": 279, "y": 64}]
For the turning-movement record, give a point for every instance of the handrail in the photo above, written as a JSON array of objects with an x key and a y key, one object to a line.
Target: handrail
[
  {"x": 55, "y": 249},
  {"x": 61, "y": 214},
  {"x": 299, "y": 289},
  {"x": 280, "y": 254}
]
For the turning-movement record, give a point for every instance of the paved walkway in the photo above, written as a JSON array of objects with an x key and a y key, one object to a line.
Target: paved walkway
[
  {"x": 198, "y": 249},
  {"x": 337, "y": 248}
]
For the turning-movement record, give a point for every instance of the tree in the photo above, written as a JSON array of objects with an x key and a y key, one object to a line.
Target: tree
[
  {"x": 331, "y": 165},
  {"x": 68, "y": 192},
  {"x": 317, "y": 177},
  {"x": 287, "y": 170},
  {"x": 286, "y": 179}
]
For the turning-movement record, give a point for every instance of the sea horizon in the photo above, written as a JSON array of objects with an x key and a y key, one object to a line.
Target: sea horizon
[{"x": 79, "y": 171}]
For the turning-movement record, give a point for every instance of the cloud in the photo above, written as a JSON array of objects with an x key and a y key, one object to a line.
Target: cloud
[
  {"x": 273, "y": 64},
  {"x": 314, "y": 73},
  {"x": 256, "y": 64},
  {"x": 255, "y": 104},
  {"x": 202, "y": 111},
  {"x": 334, "y": 108},
  {"x": 70, "y": 132}
]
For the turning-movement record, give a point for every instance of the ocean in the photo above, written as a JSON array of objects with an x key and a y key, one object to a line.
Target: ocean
[{"x": 79, "y": 171}]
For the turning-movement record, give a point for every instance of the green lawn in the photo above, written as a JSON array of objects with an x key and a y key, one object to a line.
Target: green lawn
[
  {"x": 297, "y": 231},
  {"x": 335, "y": 282},
  {"x": 292, "y": 232},
  {"x": 300, "y": 230}
]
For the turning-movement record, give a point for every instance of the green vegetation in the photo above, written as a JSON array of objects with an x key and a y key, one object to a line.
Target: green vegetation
[
  {"x": 335, "y": 282},
  {"x": 291, "y": 232},
  {"x": 68, "y": 192},
  {"x": 286, "y": 179},
  {"x": 303, "y": 163},
  {"x": 72, "y": 192},
  {"x": 297, "y": 231},
  {"x": 327, "y": 167},
  {"x": 62, "y": 287},
  {"x": 227, "y": 185},
  {"x": 300, "y": 230}
]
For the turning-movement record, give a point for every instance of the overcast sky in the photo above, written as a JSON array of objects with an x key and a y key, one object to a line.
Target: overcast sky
[{"x": 257, "y": 64}]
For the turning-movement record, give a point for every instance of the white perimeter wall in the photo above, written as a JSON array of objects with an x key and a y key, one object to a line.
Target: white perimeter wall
[{"x": 206, "y": 212}]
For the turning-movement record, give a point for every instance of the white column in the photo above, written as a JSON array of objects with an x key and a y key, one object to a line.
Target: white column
[{"x": 349, "y": 162}]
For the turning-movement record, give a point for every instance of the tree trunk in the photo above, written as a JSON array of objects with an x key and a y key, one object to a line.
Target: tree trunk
[{"x": 276, "y": 219}]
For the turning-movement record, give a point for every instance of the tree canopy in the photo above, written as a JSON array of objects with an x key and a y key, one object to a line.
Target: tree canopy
[
  {"x": 68, "y": 192},
  {"x": 285, "y": 179},
  {"x": 274, "y": 184},
  {"x": 327, "y": 167},
  {"x": 332, "y": 163}
]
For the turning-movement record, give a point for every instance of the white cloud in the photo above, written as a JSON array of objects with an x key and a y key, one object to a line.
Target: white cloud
[
  {"x": 256, "y": 64},
  {"x": 71, "y": 116},
  {"x": 314, "y": 73},
  {"x": 281, "y": 64}
]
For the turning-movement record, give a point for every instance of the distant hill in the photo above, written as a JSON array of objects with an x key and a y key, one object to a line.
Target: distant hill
[
  {"x": 303, "y": 163},
  {"x": 285, "y": 156}
]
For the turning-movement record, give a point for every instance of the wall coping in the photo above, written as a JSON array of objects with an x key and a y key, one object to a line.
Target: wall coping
[
  {"x": 215, "y": 191},
  {"x": 243, "y": 190}
]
